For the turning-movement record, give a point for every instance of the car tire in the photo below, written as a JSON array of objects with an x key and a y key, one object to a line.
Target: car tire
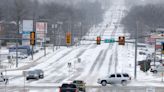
[
  {"x": 103, "y": 83},
  {"x": 37, "y": 78},
  {"x": 155, "y": 71},
  {"x": 124, "y": 83},
  {"x": 27, "y": 78}
]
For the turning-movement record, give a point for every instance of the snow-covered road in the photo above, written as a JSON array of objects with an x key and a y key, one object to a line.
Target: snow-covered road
[{"x": 95, "y": 60}]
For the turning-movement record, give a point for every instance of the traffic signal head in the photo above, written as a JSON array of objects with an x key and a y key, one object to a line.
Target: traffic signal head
[
  {"x": 68, "y": 38},
  {"x": 32, "y": 38},
  {"x": 98, "y": 40},
  {"x": 121, "y": 40}
]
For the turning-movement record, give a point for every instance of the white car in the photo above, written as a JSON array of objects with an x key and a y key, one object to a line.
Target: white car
[
  {"x": 118, "y": 78},
  {"x": 158, "y": 68}
]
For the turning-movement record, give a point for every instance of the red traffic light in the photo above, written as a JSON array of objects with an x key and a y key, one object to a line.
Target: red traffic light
[{"x": 98, "y": 40}]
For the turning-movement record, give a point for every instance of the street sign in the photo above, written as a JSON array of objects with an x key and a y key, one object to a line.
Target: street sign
[
  {"x": 112, "y": 40},
  {"x": 107, "y": 41}
]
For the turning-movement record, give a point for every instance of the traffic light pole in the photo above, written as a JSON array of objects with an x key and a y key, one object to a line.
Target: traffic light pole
[
  {"x": 136, "y": 40},
  {"x": 44, "y": 40},
  {"x": 32, "y": 54}
]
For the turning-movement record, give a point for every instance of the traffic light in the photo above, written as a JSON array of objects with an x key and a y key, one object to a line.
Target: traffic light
[
  {"x": 32, "y": 38},
  {"x": 98, "y": 40},
  {"x": 162, "y": 48},
  {"x": 68, "y": 38},
  {"x": 121, "y": 40}
]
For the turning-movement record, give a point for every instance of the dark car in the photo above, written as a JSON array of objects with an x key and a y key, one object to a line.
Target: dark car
[
  {"x": 32, "y": 75},
  {"x": 40, "y": 73},
  {"x": 68, "y": 88},
  {"x": 35, "y": 74},
  {"x": 80, "y": 84}
]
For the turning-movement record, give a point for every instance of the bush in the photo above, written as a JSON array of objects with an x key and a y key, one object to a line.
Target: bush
[{"x": 144, "y": 66}]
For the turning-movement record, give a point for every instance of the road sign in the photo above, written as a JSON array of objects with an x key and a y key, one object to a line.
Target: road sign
[
  {"x": 112, "y": 40},
  {"x": 107, "y": 41}
]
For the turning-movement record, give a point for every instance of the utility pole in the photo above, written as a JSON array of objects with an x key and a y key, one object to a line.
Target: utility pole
[
  {"x": 53, "y": 31},
  {"x": 44, "y": 39},
  {"x": 54, "y": 27},
  {"x": 136, "y": 40},
  {"x": 17, "y": 33}
]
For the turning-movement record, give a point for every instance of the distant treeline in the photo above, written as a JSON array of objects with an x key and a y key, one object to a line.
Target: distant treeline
[
  {"x": 147, "y": 17},
  {"x": 84, "y": 13}
]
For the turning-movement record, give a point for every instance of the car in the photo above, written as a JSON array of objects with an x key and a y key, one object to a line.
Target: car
[
  {"x": 20, "y": 55},
  {"x": 157, "y": 68},
  {"x": 3, "y": 79},
  {"x": 68, "y": 88},
  {"x": 80, "y": 84},
  {"x": 32, "y": 75},
  {"x": 40, "y": 72},
  {"x": 118, "y": 78}
]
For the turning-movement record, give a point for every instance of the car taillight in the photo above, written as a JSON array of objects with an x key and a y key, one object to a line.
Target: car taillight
[
  {"x": 59, "y": 89},
  {"x": 76, "y": 90}
]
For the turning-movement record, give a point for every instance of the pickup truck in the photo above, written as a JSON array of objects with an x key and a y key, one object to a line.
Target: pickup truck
[{"x": 68, "y": 88}]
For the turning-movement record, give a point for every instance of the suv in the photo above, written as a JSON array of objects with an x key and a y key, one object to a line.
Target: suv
[
  {"x": 80, "y": 84},
  {"x": 118, "y": 78}
]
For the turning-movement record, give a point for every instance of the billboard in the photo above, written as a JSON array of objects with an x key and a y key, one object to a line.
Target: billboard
[
  {"x": 41, "y": 30},
  {"x": 27, "y": 27}
]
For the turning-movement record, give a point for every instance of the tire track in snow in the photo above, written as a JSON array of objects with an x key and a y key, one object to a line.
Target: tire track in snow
[
  {"x": 116, "y": 58},
  {"x": 103, "y": 57},
  {"x": 60, "y": 79},
  {"x": 110, "y": 63},
  {"x": 30, "y": 66},
  {"x": 95, "y": 62},
  {"x": 78, "y": 73}
]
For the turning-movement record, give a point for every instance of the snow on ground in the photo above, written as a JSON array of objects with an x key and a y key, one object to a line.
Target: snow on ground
[{"x": 95, "y": 60}]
